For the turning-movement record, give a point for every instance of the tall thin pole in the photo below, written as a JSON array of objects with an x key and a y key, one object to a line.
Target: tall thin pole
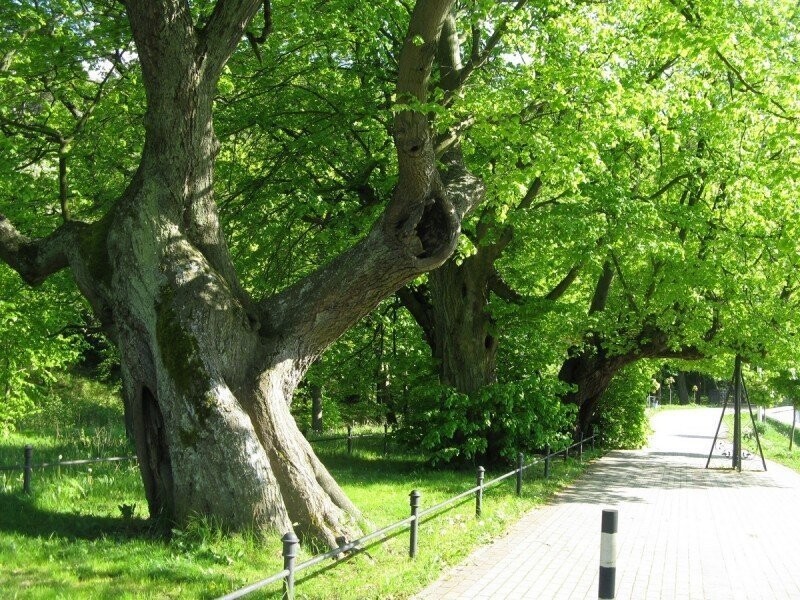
[
  {"x": 719, "y": 425},
  {"x": 737, "y": 414},
  {"x": 755, "y": 429},
  {"x": 608, "y": 555}
]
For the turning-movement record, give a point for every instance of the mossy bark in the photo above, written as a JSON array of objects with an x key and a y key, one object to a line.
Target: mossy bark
[
  {"x": 463, "y": 342},
  {"x": 209, "y": 372}
]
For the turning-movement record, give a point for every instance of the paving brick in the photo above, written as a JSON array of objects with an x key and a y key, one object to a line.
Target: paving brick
[{"x": 685, "y": 532}]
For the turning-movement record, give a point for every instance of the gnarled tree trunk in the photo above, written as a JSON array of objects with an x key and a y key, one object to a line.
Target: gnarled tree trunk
[
  {"x": 590, "y": 368},
  {"x": 208, "y": 373},
  {"x": 457, "y": 323},
  {"x": 589, "y": 372}
]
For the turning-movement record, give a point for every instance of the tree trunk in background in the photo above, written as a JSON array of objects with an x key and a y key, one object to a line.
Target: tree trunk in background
[
  {"x": 463, "y": 344},
  {"x": 682, "y": 388},
  {"x": 454, "y": 316},
  {"x": 316, "y": 407},
  {"x": 590, "y": 373},
  {"x": 590, "y": 370}
]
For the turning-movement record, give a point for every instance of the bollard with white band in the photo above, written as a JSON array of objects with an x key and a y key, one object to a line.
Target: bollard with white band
[{"x": 608, "y": 555}]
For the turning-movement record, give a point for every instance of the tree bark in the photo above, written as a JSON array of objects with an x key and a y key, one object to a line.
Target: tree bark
[
  {"x": 590, "y": 369},
  {"x": 453, "y": 312},
  {"x": 463, "y": 344},
  {"x": 316, "y": 407},
  {"x": 589, "y": 372},
  {"x": 683, "y": 388},
  {"x": 208, "y": 373}
]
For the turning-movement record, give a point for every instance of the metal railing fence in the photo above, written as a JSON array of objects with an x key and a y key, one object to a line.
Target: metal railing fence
[{"x": 291, "y": 543}]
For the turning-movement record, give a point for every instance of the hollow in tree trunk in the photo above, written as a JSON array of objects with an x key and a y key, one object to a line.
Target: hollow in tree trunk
[{"x": 209, "y": 372}]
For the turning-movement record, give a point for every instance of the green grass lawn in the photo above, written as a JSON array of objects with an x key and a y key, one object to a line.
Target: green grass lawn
[
  {"x": 77, "y": 535},
  {"x": 774, "y": 438},
  {"x": 676, "y": 406}
]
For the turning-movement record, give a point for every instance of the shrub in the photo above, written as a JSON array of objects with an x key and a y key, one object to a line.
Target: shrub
[
  {"x": 492, "y": 425},
  {"x": 623, "y": 419}
]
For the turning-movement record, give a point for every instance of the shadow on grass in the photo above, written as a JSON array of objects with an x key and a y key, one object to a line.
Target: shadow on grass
[
  {"x": 785, "y": 429},
  {"x": 365, "y": 468},
  {"x": 19, "y": 514},
  {"x": 368, "y": 463}
]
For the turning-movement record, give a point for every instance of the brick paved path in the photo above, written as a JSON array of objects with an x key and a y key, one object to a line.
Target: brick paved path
[{"x": 685, "y": 532}]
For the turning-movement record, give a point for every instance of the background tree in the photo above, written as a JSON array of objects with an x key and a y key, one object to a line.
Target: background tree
[{"x": 644, "y": 156}]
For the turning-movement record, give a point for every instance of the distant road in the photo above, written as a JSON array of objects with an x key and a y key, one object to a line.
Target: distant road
[{"x": 782, "y": 414}]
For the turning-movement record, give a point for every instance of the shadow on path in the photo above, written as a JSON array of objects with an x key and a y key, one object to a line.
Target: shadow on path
[{"x": 623, "y": 473}]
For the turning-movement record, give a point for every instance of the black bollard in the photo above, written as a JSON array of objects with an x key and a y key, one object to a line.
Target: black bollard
[
  {"x": 27, "y": 469},
  {"x": 608, "y": 555},
  {"x": 291, "y": 546}
]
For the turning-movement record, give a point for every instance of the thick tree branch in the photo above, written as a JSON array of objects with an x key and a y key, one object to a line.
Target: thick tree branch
[
  {"x": 226, "y": 27},
  {"x": 449, "y": 52},
  {"x": 452, "y": 136},
  {"x": 36, "y": 259},
  {"x": 534, "y": 189},
  {"x": 601, "y": 290},
  {"x": 316, "y": 310},
  {"x": 464, "y": 189},
  {"x": 562, "y": 286},
  {"x": 417, "y": 301},
  {"x": 653, "y": 342},
  {"x": 506, "y": 233},
  {"x": 423, "y": 218},
  {"x": 500, "y": 287},
  {"x": 419, "y": 48},
  {"x": 664, "y": 188},
  {"x": 417, "y": 232},
  {"x": 455, "y": 78},
  {"x": 266, "y": 29}
]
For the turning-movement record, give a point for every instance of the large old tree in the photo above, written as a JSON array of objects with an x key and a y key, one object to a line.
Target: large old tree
[
  {"x": 209, "y": 371},
  {"x": 652, "y": 162}
]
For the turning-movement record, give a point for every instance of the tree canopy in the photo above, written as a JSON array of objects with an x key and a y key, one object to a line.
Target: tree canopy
[{"x": 624, "y": 174}]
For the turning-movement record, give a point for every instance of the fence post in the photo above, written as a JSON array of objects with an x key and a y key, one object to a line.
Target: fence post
[
  {"x": 608, "y": 555},
  {"x": 594, "y": 437},
  {"x": 520, "y": 464},
  {"x": 27, "y": 469},
  {"x": 291, "y": 546},
  {"x": 566, "y": 452},
  {"x": 580, "y": 449},
  {"x": 412, "y": 546},
  {"x": 349, "y": 439},
  {"x": 479, "y": 492},
  {"x": 547, "y": 461}
]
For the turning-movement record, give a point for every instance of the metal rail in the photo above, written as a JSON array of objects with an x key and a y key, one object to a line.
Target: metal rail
[{"x": 381, "y": 535}]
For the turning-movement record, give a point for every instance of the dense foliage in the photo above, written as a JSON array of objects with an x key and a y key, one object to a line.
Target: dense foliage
[{"x": 655, "y": 142}]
